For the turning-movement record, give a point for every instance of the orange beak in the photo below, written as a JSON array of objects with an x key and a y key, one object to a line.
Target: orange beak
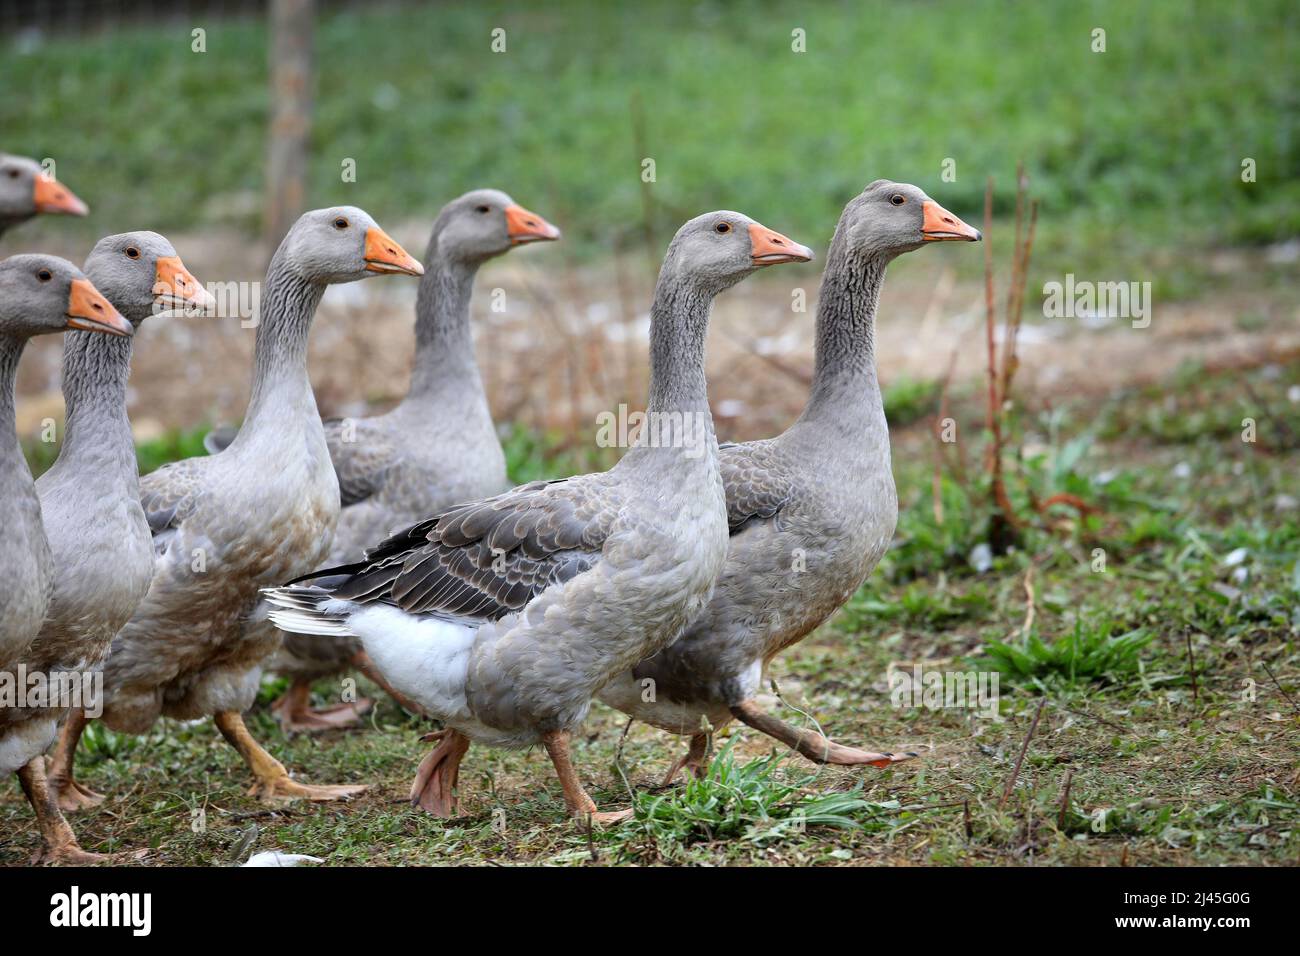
[
  {"x": 89, "y": 310},
  {"x": 385, "y": 256},
  {"x": 174, "y": 287},
  {"x": 942, "y": 226},
  {"x": 768, "y": 247},
  {"x": 49, "y": 195},
  {"x": 524, "y": 226}
]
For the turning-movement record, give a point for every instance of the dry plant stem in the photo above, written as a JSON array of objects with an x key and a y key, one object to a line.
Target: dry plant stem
[
  {"x": 1065, "y": 800},
  {"x": 1290, "y": 699},
  {"x": 1029, "y": 602},
  {"x": 1016, "y": 298},
  {"x": 1024, "y": 749},
  {"x": 1000, "y": 527}
]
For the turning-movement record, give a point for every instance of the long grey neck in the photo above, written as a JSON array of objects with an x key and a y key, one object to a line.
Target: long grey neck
[
  {"x": 444, "y": 343},
  {"x": 11, "y": 455},
  {"x": 845, "y": 391},
  {"x": 95, "y": 372},
  {"x": 280, "y": 382},
  {"x": 679, "y": 320},
  {"x": 678, "y": 426}
]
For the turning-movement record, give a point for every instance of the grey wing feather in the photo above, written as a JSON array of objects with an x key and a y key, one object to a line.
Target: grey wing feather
[
  {"x": 168, "y": 496},
  {"x": 756, "y": 485},
  {"x": 362, "y": 459},
  {"x": 490, "y": 558}
]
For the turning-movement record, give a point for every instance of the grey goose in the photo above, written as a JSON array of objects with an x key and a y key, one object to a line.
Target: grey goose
[
  {"x": 90, "y": 497},
  {"x": 25, "y": 191},
  {"x": 225, "y": 525},
  {"x": 810, "y": 512},
  {"x": 503, "y": 617},
  {"x": 436, "y": 448},
  {"x": 38, "y": 295}
]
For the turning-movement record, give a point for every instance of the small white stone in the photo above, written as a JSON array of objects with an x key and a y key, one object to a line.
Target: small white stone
[
  {"x": 1236, "y": 557},
  {"x": 277, "y": 858}
]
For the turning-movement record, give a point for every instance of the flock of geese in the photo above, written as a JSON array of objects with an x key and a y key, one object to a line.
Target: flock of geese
[{"x": 663, "y": 586}]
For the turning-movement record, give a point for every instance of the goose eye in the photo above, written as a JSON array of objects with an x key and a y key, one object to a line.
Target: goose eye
[
  {"x": 13, "y": 174},
  {"x": 45, "y": 275},
  {"x": 481, "y": 209},
  {"x": 722, "y": 227},
  {"x": 340, "y": 223},
  {"x": 897, "y": 200},
  {"x": 132, "y": 252}
]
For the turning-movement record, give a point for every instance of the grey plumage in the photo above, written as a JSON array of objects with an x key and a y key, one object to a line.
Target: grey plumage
[
  {"x": 38, "y": 295},
  {"x": 504, "y": 616},
  {"x": 811, "y": 511},
  {"x": 102, "y": 557},
  {"x": 25, "y": 192},
  {"x": 222, "y": 526},
  {"x": 438, "y": 446}
]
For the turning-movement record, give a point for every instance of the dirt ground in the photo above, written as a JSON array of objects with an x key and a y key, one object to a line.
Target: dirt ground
[{"x": 571, "y": 339}]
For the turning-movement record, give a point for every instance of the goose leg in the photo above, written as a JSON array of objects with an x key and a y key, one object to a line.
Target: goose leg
[
  {"x": 694, "y": 759},
  {"x": 811, "y": 745},
  {"x": 362, "y": 662},
  {"x": 434, "y": 789},
  {"x": 60, "y": 845},
  {"x": 576, "y": 800},
  {"x": 71, "y": 795},
  {"x": 273, "y": 781},
  {"x": 294, "y": 712}
]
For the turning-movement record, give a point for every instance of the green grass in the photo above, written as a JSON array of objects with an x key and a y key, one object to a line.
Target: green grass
[
  {"x": 1173, "y": 757},
  {"x": 1134, "y": 152}
]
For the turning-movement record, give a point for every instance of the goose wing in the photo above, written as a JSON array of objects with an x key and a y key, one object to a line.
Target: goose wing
[
  {"x": 491, "y": 557},
  {"x": 168, "y": 496},
  {"x": 755, "y": 482},
  {"x": 362, "y": 457}
]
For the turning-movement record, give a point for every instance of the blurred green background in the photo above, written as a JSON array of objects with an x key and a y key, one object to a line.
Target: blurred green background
[{"x": 1133, "y": 151}]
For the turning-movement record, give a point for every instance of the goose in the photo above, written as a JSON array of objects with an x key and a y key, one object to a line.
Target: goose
[
  {"x": 436, "y": 448},
  {"x": 810, "y": 512},
  {"x": 88, "y": 522},
  {"x": 502, "y": 617},
  {"x": 38, "y": 294},
  {"x": 225, "y": 525},
  {"x": 25, "y": 190}
]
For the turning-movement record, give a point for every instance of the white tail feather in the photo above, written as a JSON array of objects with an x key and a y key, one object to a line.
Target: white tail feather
[{"x": 308, "y": 611}]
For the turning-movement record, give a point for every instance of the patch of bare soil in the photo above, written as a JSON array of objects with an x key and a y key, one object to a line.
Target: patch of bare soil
[{"x": 570, "y": 341}]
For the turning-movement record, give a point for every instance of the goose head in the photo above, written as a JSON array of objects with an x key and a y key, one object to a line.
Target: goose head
[
  {"x": 718, "y": 249},
  {"x": 25, "y": 190},
  {"x": 890, "y": 218},
  {"x": 486, "y": 222},
  {"x": 44, "y": 294},
  {"x": 343, "y": 244},
  {"x": 141, "y": 274}
]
